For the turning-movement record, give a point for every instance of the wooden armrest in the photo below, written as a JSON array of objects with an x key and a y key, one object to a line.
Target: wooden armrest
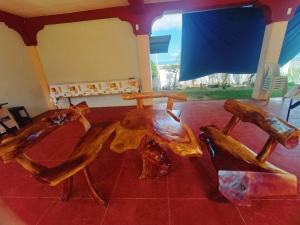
[
  {"x": 84, "y": 153},
  {"x": 278, "y": 129},
  {"x": 145, "y": 95},
  {"x": 238, "y": 150}
]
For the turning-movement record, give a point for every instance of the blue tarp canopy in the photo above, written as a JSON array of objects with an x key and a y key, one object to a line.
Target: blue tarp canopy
[
  {"x": 229, "y": 41},
  {"x": 291, "y": 43}
]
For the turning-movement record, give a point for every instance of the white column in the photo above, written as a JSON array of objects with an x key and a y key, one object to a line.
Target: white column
[
  {"x": 270, "y": 53},
  {"x": 143, "y": 44},
  {"x": 40, "y": 74}
]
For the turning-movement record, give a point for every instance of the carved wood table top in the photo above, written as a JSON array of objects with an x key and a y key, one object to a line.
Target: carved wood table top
[{"x": 154, "y": 132}]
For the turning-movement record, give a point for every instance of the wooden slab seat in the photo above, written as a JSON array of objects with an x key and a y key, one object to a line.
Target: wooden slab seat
[
  {"x": 85, "y": 152},
  {"x": 267, "y": 179},
  {"x": 153, "y": 132}
]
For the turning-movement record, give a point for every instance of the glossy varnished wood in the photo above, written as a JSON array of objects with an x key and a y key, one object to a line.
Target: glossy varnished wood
[
  {"x": 154, "y": 132},
  {"x": 266, "y": 179},
  {"x": 280, "y": 130},
  {"x": 240, "y": 186},
  {"x": 226, "y": 143},
  {"x": 13, "y": 145},
  {"x": 159, "y": 126},
  {"x": 85, "y": 152}
]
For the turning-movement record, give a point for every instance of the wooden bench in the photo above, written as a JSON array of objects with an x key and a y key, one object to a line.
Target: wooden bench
[
  {"x": 266, "y": 179},
  {"x": 85, "y": 152}
]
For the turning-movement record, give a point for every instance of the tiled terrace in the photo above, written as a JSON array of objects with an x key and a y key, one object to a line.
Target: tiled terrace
[{"x": 184, "y": 197}]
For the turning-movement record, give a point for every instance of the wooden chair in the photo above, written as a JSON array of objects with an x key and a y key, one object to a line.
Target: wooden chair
[
  {"x": 171, "y": 96},
  {"x": 267, "y": 179},
  {"x": 85, "y": 152}
]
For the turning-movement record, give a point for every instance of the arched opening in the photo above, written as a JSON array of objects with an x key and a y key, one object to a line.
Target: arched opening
[
  {"x": 216, "y": 85},
  {"x": 165, "y": 59}
]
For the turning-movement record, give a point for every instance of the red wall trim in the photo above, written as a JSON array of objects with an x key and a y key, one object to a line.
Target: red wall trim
[{"x": 140, "y": 15}]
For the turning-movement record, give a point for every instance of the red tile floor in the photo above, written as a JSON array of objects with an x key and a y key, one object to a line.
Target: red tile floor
[{"x": 184, "y": 197}]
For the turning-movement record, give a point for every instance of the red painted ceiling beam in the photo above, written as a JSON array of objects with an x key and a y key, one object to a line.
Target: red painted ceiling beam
[
  {"x": 137, "y": 6},
  {"x": 140, "y": 15},
  {"x": 12, "y": 21},
  {"x": 278, "y": 10}
]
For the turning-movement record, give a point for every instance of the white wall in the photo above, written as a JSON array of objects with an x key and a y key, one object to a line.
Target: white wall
[
  {"x": 18, "y": 84},
  {"x": 97, "y": 50}
]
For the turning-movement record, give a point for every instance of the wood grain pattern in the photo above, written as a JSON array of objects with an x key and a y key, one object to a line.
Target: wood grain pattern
[
  {"x": 284, "y": 133},
  {"x": 84, "y": 153},
  {"x": 267, "y": 179},
  {"x": 226, "y": 143},
  {"x": 87, "y": 149},
  {"x": 153, "y": 132},
  {"x": 13, "y": 145},
  {"x": 155, "y": 159},
  {"x": 241, "y": 186},
  {"x": 159, "y": 126},
  {"x": 145, "y": 95}
]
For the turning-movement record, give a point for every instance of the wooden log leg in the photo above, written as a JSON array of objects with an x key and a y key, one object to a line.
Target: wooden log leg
[
  {"x": 267, "y": 150},
  {"x": 231, "y": 124},
  {"x": 155, "y": 160},
  {"x": 91, "y": 188},
  {"x": 67, "y": 189}
]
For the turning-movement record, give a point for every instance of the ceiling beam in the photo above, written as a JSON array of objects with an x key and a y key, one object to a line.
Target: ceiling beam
[
  {"x": 138, "y": 6},
  {"x": 140, "y": 15},
  {"x": 277, "y": 10}
]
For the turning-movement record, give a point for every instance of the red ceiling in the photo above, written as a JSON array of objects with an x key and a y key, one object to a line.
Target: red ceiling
[{"x": 141, "y": 15}]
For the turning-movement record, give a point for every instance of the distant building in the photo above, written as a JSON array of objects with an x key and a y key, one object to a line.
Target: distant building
[{"x": 295, "y": 63}]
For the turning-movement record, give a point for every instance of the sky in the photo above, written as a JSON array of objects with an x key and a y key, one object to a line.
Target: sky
[{"x": 168, "y": 24}]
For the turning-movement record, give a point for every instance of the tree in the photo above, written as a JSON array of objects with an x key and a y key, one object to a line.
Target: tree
[
  {"x": 224, "y": 80},
  {"x": 237, "y": 79},
  {"x": 172, "y": 75},
  {"x": 154, "y": 69}
]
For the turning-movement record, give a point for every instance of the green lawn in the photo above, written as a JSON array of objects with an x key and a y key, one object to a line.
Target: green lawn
[{"x": 228, "y": 93}]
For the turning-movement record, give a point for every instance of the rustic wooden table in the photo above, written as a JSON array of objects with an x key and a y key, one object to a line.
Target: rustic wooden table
[{"x": 153, "y": 132}]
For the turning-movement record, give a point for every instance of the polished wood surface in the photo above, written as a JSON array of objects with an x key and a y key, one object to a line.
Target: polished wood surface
[
  {"x": 85, "y": 152},
  {"x": 149, "y": 95},
  {"x": 284, "y": 133},
  {"x": 240, "y": 186},
  {"x": 158, "y": 125},
  {"x": 267, "y": 179},
  {"x": 155, "y": 159},
  {"x": 13, "y": 145},
  {"x": 173, "y": 95},
  {"x": 226, "y": 143},
  {"x": 154, "y": 132}
]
